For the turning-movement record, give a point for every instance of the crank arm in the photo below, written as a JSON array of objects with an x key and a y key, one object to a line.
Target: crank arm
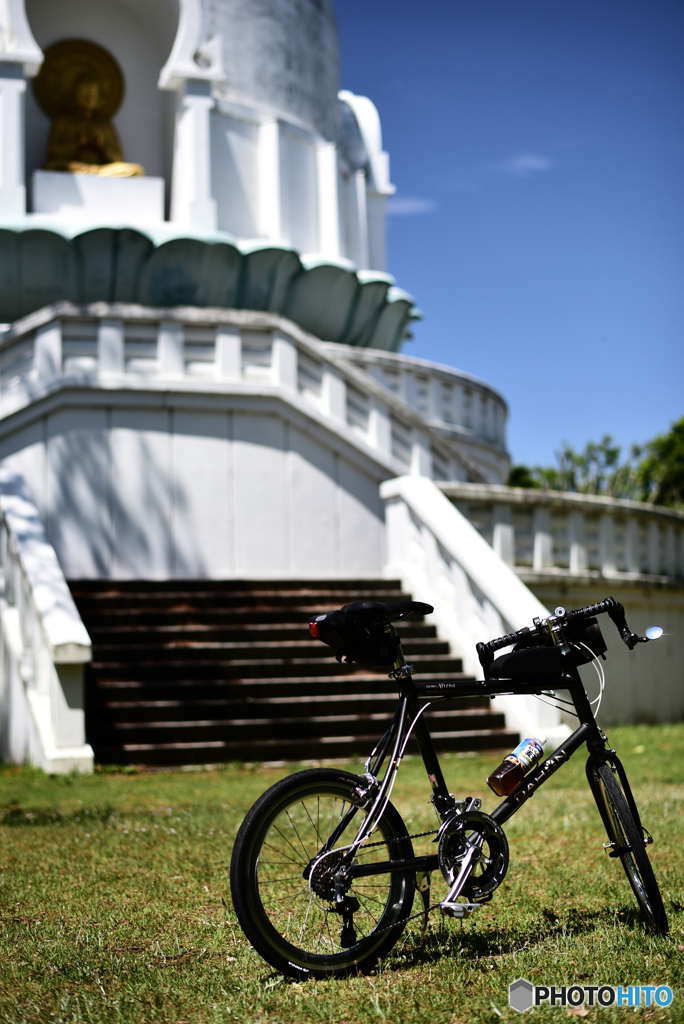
[{"x": 460, "y": 879}]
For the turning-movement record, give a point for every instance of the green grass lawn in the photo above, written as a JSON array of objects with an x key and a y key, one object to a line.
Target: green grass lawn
[{"x": 114, "y": 901}]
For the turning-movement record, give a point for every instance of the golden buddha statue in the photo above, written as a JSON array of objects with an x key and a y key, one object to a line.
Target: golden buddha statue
[{"x": 80, "y": 86}]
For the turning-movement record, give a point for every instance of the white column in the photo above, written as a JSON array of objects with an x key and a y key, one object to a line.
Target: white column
[
  {"x": 421, "y": 456},
  {"x": 436, "y": 407},
  {"x": 578, "y": 551},
  {"x": 632, "y": 545},
  {"x": 334, "y": 396},
  {"x": 12, "y": 186},
  {"x": 192, "y": 204},
  {"x": 377, "y": 234},
  {"x": 380, "y": 429},
  {"x": 607, "y": 545},
  {"x": 542, "y": 552},
  {"x": 653, "y": 548},
  {"x": 268, "y": 163},
  {"x": 503, "y": 536},
  {"x": 110, "y": 346},
  {"x": 228, "y": 352},
  {"x": 362, "y": 216},
  {"x": 328, "y": 200},
  {"x": 47, "y": 352},
  {"x": 170, "y": 349},
  {"x": 670, "y": 551},
  {"x": 284, "y": 362}
]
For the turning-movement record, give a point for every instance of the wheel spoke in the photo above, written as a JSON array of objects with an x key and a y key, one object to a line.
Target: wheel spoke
[
  {"x": 296, "y": 831},
  {"x": 286, "y": 840},
  {"x": 290, "y": 884},
  {"x": 306, "y": 918}
]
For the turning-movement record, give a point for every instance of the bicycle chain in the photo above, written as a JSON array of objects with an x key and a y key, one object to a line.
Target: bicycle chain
[
  {"x": 421, "y": 913},
  {"x": 383, "y": 842},
  {"x": 398, "y": 924}
]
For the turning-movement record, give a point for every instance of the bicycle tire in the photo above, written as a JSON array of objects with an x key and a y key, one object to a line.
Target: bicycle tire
[
  {"x": 626, "y": 836},
  {"x": 289, "y": 924}
]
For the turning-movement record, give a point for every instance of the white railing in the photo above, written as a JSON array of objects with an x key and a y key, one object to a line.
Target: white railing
[
  {"x": 461, "y": 407},
  {"x": 43, "y": 641},
  {"x": 548, "y": 535},
  {"x": 443, "y": 560},
  {"x": 118, "y": 345},
  {"x": 574, "y": 550},
  {"x": 450, "y": 398}
]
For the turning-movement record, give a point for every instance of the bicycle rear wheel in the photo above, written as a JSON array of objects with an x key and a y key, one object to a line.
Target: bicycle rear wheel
[
  {"x": 284, "y": 895},
  {"x": 628, "y": 844}
]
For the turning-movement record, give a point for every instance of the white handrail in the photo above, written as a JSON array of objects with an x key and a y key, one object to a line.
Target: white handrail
[
  {"x": 44, "y": 643},
  {"x": 443, "y": 560}
]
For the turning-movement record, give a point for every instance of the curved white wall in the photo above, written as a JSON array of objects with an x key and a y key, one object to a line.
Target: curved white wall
[{"x": 281, "y": 57}]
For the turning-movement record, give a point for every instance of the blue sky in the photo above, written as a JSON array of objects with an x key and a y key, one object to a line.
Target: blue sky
[{"x": 537, "y": 148}]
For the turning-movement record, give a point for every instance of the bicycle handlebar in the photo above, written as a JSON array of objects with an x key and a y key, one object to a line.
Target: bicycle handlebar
[
  {"x": 610, "y": 605},
  {"x": 504, "y": 641},
  {"x": 615, "y": 611}
]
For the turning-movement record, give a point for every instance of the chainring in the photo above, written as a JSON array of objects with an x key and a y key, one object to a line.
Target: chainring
[{"x": 459, "y": 834}]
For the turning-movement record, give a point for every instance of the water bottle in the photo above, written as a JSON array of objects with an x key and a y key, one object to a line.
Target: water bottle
[{"x": 513, "y": 768}]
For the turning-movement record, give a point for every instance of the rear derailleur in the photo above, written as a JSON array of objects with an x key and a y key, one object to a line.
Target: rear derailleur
[{"x": 329, "y": 879}]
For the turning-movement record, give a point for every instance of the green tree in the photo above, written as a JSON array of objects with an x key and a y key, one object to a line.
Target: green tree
[
  {"x": 660, "y": 473},
  {"x": 596, "y": 470},
  {"x": 653, "y": 473}
]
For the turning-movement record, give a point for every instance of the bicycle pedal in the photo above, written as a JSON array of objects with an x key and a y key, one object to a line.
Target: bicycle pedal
[{"x": 458, "y": 909}]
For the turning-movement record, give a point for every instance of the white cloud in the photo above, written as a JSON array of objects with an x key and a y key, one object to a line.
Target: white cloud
[
  {"x": 407, "y": 206},
  {"x": 524, "y": 165}
]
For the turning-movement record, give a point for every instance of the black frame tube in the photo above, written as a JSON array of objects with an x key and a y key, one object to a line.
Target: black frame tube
[
  {"x": 532, "y": 781},
  {"x": 587, "y": 732}
]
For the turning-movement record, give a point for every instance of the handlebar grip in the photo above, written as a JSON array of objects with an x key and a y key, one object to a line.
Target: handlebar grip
[
  {"x": 485, "y": 652},
  {"x": 503, "y": 641},
  {"x": 617, "y": 614},
  {"x": 592, "y": 609}
]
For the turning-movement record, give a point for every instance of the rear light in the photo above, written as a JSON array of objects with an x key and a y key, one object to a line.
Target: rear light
[{"x": 313, "y": 629}]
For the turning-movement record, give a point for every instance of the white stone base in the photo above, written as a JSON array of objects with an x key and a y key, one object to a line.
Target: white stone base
[{"x": 89, "y": 197}]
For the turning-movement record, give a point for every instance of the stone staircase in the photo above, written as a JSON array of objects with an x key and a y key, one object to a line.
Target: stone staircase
[{"x": 198, "y": 671}]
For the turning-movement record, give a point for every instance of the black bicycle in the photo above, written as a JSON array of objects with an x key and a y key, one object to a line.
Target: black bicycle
[{"x": 323, "y": 872}]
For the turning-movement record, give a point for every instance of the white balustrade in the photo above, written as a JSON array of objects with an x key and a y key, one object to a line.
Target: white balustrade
[
  {"x": 116, "y": 345},
  {"x": 574, "y": 550},
  {"x": 44, "y": 644},
  {"x": 492, "y": 557},
  {"x": 544, "y": 533},
  {"x": 460, "y": 407}
]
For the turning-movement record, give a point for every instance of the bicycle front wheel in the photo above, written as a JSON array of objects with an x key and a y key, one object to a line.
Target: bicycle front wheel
[
  {"x": 284, "y": 891},
  {"x": 628, "y": 844}
]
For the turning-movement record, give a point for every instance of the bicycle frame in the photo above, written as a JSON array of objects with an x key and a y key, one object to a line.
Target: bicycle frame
[
  {"x": 287, "y": 896},
  {"x": 445, "y": 803}
]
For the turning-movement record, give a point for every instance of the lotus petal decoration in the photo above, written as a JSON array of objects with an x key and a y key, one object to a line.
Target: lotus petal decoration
[{"x": 332, "y": 300}]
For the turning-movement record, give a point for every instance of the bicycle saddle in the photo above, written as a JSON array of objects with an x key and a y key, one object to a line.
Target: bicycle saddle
[
  {"x": 378, "y": 611},
  {"x": 360, "y": 631}
]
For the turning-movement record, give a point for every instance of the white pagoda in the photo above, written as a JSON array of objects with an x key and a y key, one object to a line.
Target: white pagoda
[{"x": 201, "y": 372}]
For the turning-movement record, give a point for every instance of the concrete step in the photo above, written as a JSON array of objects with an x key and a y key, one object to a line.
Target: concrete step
[
  {"x": 194, "y": 671},
  {"x": 248, "y": 633},
  {"x": 291, "y": 748}
]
